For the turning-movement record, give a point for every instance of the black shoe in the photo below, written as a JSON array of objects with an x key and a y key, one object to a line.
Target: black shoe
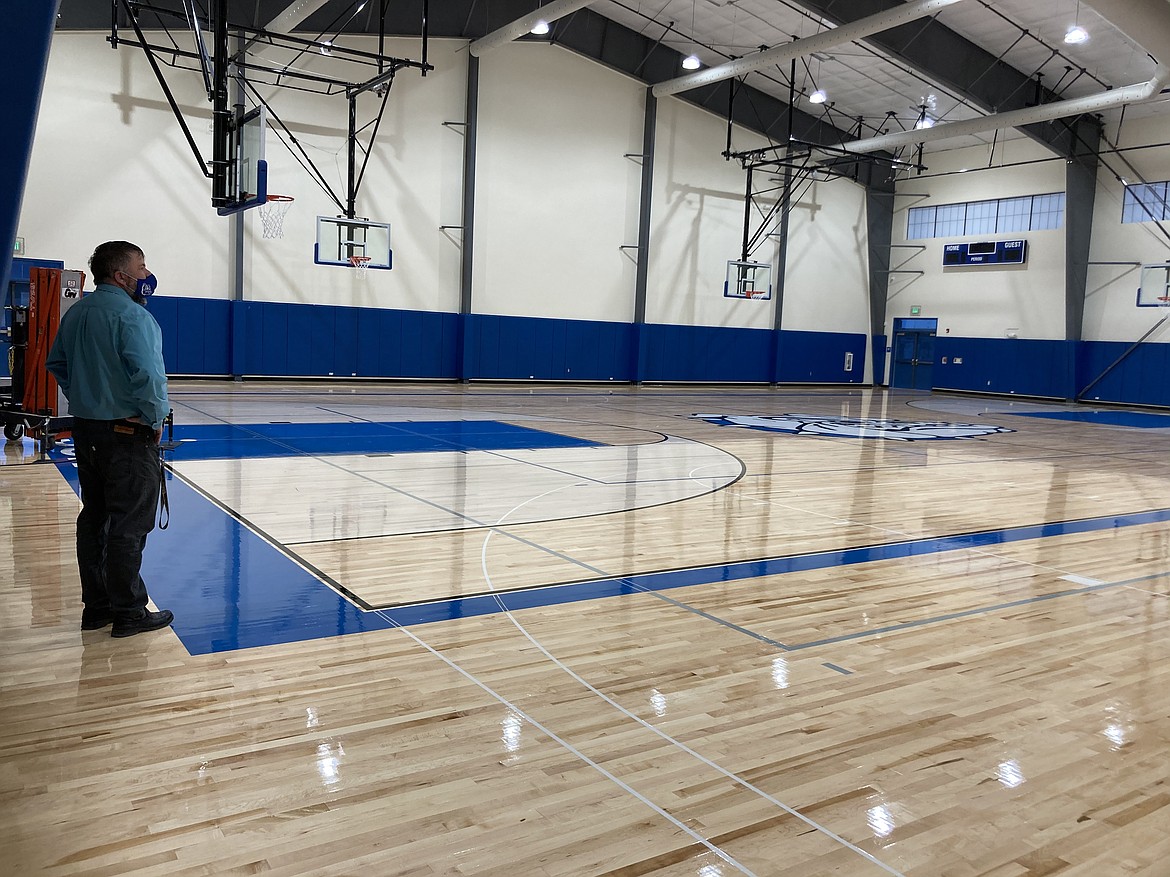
[
  {"x": 95, "y": 620},
  {"x": 148, "y": 621}
]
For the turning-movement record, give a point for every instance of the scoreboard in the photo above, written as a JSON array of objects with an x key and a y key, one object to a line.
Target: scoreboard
[{"x": 985, "y": 253}]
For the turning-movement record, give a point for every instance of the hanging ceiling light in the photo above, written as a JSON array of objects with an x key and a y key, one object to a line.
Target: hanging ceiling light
[
  {"x": 924, "y": 121},
  {"x": 691, "y": 61},
  {"x": 818, "y": 97},
  {"x": 540, "y": 28},
  {"x": 1076, "y": 34}
]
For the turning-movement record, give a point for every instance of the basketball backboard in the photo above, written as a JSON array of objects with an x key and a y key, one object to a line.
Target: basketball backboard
[
  {"x": 247, "y": 171},
  {"x": 340, "y": 239},
  {"x": 748, "y": 280},
  {"x": 1155, "y": 289}
]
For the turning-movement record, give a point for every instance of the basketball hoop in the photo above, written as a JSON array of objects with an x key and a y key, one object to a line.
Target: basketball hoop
[
  {"x": 361, "y": 264},
  {"x": 272, "y": 215},
  {"x": 1164, "y": 301}
]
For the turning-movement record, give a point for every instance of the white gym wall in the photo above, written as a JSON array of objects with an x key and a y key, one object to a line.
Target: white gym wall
[
  {"x": 1110, "y": 311},
  {"x": 557, "y": 197},
  {"x": 981, "y": 301}
]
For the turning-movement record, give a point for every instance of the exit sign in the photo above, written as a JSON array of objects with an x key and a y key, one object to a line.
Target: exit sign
[
  {"x": 18, "y": 247},
  {"x": 915, "y": 310}
]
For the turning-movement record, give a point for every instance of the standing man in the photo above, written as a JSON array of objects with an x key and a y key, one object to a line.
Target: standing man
[{"x": 107, "y": 357}]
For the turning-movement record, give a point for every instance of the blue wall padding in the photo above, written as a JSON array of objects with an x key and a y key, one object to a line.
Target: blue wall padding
[
  {"x": 273, "y": 339},
  {"x": 706, "y": 353},
  {"x": 214, "y": 337},
  {"x": 1006, "y": 365},
  {"x": 196, "y": 334},
  {"x": 506, "y": 348},
  {"x": 320, "y": 340},
  {"x": 1140, "y": 379},
  {"x": 819, "y": 357},
  {"x": 878, "y": 355}
]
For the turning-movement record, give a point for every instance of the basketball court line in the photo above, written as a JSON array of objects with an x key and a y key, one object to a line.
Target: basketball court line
[
  {"x": 663, "y": 438},
  {"x": 471, "y": 677},
  {"x": 734, "y": 777},
  {"x": 304, "y": 393},
  {"x": 983, "y": 610},
  {"x": 270, "y": 605}
]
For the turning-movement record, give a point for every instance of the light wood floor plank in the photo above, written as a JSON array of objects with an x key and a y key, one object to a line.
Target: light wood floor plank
[{"x": 991, "y": 711}]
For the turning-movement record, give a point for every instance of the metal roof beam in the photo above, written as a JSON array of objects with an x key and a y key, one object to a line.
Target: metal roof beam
[
  {"x": 295, "y": 13},
  {"x": 845, "y": 33},
  {"x": 954, "y": 62},
  {"x": 515, "y": 29}
]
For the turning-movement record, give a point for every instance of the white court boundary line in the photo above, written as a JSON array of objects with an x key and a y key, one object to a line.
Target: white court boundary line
[
  {"x": 668, "y": 738},
  {"x": 569, "y": 746}
]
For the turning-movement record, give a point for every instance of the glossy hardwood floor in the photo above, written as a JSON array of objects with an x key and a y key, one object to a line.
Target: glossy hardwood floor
[{"x": 827, "y": 655}]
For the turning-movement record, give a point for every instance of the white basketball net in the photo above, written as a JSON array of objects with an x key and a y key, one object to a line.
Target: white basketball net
[
  {"x": 361, "y": 264},
  {"x": 272, "y": 214}
]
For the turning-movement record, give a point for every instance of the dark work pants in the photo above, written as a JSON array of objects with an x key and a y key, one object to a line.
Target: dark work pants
[{"x": 120, "y": 476}]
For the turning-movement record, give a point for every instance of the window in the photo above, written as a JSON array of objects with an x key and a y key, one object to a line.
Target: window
[
  {"x": 1145, "y": 202},
  {"x": 921, "y": 223},
  {"x": 1001, "y": 216},
  {"x": 1047, "y": 211},
  {"x": 1015, "y": 214},
  {"x": 980, "y": 217},
  {"x": 949, "y": 220}
]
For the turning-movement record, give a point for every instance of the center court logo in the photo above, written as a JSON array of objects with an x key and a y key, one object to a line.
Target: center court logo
[{"x": 854, "y": 427}]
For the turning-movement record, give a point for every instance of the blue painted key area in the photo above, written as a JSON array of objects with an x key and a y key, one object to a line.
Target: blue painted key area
[
  {"x": 231, "y": 588},
  {"x": 244, "y": 441},
  {"x": 1135, "y": 419}
]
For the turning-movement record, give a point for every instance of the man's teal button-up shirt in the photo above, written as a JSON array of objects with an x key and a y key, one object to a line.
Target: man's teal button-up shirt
[{"x": 108, "y": 359}]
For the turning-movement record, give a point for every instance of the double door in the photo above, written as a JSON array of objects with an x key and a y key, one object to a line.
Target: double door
[{"x": 913, "y": 361}]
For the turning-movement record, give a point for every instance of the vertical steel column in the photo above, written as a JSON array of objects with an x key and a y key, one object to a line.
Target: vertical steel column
[
  {"x": 1080, "y": 186},
  {"x": 646, "y": 196},
  {"x": 879, "y": 225},
  {"x": 785, "y": 210},
  {"x": 238, "y": 216},
  {"x": 747, "y": 216},
  {"x": 221, "y": 113},
  {"x": 351, "y": 174},
  {"x": 781, "y": 270},
  {"x": 470, "y": 129},
  {"x": 238, "y": 348}
]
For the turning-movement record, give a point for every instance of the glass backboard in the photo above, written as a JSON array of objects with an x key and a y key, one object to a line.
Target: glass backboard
[
  {"x": 340, "y": 240},
  {"x": 748, "y": 280},
  {"x": 1155, "y": 289},
  {"x": 247, "y": 181}
]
